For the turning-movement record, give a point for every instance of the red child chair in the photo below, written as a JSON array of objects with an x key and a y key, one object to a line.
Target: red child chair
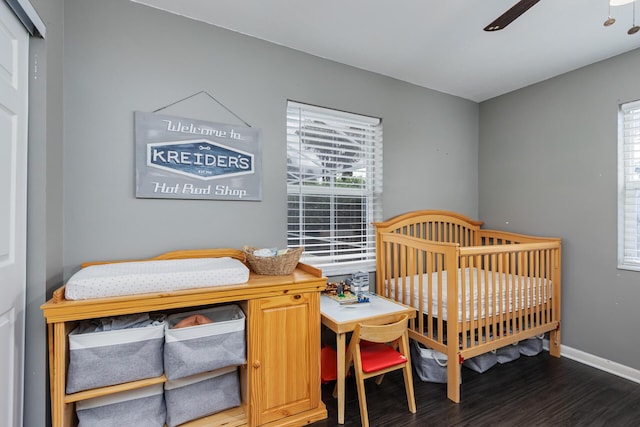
[{"x": 376, "y": 350}]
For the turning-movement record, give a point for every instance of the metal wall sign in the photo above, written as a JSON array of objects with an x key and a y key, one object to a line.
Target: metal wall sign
[{"x": 180, "y": 158}]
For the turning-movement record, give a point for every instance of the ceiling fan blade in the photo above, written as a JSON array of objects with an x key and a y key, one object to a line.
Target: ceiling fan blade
[{"x": 510, "y": 15}]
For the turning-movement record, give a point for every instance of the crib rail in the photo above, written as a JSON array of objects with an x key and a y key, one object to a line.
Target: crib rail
[{"x": 496, "y": 237}]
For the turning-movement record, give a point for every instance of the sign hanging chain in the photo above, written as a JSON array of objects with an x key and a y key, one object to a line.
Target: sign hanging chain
[{"x": 210, "y": 96}]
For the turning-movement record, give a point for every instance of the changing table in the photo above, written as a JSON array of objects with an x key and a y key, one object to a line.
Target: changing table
[{"x": 281, "y": 312}]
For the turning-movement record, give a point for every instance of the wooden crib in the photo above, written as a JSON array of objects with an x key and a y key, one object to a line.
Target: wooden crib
[{"x": 475, "y": 290}]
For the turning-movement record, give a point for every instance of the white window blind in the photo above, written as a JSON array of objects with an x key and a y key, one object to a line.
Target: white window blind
[
  {"x": 629, "y": 187},
  {"x": 334, "y": 187}
]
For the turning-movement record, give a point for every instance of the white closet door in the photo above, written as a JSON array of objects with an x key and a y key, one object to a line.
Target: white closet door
[{"x": 14, "y": 45}]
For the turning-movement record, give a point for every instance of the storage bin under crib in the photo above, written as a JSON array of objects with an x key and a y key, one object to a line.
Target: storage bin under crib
[
  {"x": 508, "y": 353},
  {"x": 201, "y": 395},
  {"x": 482, "y": 362},
  {"x": 206, "y": 347},
  {"x": 430, "y": 365},
  {"x": 531, "y": 346},
  {"x": 130, "y": 351},
  {"x": 143, "y": 407}
]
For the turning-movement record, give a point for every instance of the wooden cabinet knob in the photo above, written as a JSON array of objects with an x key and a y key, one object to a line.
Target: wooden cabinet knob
[{"x": 256, "y": 364}]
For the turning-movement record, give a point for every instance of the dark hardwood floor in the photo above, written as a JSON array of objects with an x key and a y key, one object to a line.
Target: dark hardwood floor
[{"x": 530, "y": 391}]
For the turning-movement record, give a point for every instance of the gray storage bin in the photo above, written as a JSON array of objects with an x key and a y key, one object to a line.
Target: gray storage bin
[
  {"x": 508, "y": 353},
  {"x": 201, "y": 395},
  {"x": 482, "y": 362},
  {"x": 143, "y": 407},
  {"x": 196, "y": 349},
  {"x": 98, "y": 359},
  {"x": 531, "y": 346},
  {"x": 430, "y": 365}
]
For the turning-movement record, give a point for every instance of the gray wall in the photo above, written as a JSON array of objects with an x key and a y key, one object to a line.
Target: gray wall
[
  {"x": 44, "y": 221},
  {"x": 121, "y": 57},
  {"x": 547, "y": 162}
]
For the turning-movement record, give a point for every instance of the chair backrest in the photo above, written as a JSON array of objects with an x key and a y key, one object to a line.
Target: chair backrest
[{"x": 382, "y": 333}]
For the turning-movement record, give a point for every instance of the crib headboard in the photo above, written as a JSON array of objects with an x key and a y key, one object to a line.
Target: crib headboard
[{"x": 435, "y": 225}]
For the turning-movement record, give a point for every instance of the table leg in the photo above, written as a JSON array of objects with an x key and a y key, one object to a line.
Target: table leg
[{"x": 341, "y": 350}]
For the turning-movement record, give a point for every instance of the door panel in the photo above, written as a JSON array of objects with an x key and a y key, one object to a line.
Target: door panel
[
  {"x": 284, "y": 356},
  {"x": 14, "y": 43}
]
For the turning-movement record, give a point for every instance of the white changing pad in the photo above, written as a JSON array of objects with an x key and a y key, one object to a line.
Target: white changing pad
[{"x": 130, "y": 278}]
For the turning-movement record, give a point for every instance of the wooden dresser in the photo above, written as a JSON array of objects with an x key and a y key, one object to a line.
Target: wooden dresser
[{"x": 280, "y": 383}]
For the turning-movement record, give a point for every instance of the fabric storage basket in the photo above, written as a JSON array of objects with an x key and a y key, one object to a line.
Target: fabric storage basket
[
  {"x": 508, "y": 353},
  {"x": 196, "y": 349},
  {"x": 531, "y": 346},
  {"x": 143, "y": 407},
  {"x": 482, "y": 362},
  {"x": 98, "y": 359},
  {"x": 201, "y": 395},
  {"x": 430, "y": 365}
]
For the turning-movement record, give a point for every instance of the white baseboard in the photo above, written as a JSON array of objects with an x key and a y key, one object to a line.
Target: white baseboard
[{"x": 598, "y": 362}]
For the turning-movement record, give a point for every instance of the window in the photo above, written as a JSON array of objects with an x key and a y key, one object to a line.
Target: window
[
  {"x": 629, "y": 186},
  {"x": 334, "y": 187}
]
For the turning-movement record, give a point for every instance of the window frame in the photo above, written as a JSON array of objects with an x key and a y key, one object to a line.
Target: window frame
[
  {"x": 629, "y": 206},
  {"x": 359, "y": 255}
]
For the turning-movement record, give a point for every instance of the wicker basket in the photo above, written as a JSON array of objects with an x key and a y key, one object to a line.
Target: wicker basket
[{"x": 273, "y": 266}]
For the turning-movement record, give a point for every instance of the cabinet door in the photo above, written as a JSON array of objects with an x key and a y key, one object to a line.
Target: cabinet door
[{"x": 284, "y": 349}]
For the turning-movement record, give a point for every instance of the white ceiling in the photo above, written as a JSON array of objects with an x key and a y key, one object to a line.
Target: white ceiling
[{"x": 440, "y": 44}]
